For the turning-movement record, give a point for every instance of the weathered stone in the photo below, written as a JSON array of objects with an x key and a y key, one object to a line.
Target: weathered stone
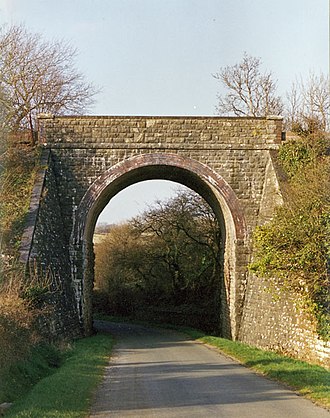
[{"x": 228, "y": 161}]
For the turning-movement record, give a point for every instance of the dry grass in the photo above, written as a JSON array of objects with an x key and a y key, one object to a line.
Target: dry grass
[
  {"x": 18, "y": 315},
  {"x": 17, "y": 319},
  {"x": 17, "y": 163}
]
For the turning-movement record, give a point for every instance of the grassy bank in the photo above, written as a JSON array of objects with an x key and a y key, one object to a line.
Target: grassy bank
[
  {"x": 17, "y": 379},
  {"x": 67, "y": 393}
]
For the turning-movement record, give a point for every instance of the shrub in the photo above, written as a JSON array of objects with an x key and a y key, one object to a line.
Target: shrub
[
  {"x": 17, "y": 320},
  {"x": 297, "y": 154},
  {"x": 293, "y": 249}
]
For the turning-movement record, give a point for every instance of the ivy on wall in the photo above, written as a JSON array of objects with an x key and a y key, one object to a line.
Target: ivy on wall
[{"x": 294, "y": 248}]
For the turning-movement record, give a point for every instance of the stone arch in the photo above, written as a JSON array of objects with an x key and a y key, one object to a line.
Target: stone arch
[{"x": 189, "y": 172}]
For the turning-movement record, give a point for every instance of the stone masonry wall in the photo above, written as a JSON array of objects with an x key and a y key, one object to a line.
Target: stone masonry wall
[
  {"x": 50, "y": 256},
  {"x": 274, "y": 320},
  {"x": 237, "y": 149}
]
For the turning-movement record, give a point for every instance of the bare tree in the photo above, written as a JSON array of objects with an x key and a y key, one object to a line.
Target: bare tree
[
  {"x": 308, "y": 104},
  {"x": 188, "y": 238},
  {"x": 173, "y": 251},
  {"x": 249, "y": 92},
  {"x": 38, "y": 76}
]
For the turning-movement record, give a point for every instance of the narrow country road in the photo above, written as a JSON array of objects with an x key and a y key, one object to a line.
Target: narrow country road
[{"x": 160, "y": 373}]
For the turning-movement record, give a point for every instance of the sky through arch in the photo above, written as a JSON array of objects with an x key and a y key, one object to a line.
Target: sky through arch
[{"x": 133, "y": 200}]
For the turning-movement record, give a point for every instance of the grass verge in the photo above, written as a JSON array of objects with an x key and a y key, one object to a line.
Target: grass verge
[
  {"x": 67, "y": 393},
  {"x": 19, "y": 378},
  {"x": 309, "y": 380}
]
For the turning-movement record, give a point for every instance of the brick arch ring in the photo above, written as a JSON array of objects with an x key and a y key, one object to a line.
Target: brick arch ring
[{"x": 125, "y": 173}]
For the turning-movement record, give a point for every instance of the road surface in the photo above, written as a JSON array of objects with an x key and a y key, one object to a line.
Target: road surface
[{"x": 160, "y": 373}]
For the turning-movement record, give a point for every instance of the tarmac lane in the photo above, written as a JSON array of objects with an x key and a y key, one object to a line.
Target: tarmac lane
[{"x": 161, "y": 373}]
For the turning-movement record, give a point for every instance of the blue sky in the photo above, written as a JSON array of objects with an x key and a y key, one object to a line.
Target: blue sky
[{"x": 156, "y": 57}]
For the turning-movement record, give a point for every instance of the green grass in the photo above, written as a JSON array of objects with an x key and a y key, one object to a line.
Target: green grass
[
  {"x": 308, "y": 379},
  {"x": 68, "y": 392},
  {"x": 18, "y": 379}
]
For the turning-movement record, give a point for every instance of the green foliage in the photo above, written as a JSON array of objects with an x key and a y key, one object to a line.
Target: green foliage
[
  {"x": 293, "y": 246},
  {"x": 17, "y": 333},
  {"x": 293, "y": 249},
  {"x": 24, "y": 355},
  {"x": 36, "y": 288},
  {"x": 294, "y": 155},
  {"x": 17, "y": 380},
  {"x": 68, "y": 391},
  {"x": 298, "y": 153},
  {"x": 34, "y": 295},
  {"x": 166, "y": 263}
]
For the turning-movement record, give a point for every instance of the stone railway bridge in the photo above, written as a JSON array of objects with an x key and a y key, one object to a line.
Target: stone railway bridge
[{"x": 87, "y": 160}]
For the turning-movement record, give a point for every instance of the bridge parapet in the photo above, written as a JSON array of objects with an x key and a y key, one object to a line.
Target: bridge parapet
[{"x": 161, "y": 132}]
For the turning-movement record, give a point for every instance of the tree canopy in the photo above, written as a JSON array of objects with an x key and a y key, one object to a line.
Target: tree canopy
[
  {"x": 168, "y": 258},
  {"x": 250, "y": 91},
  {"x": 39, "y": 76},
  {"x": 308, "y": 105}
]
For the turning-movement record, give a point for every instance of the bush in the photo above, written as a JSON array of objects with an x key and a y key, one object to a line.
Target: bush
[
  {"x": 17, "y": 326},
  {"x": 293, "y": 250},
  {"x": 297, "y": 154},
  {"x": 25, "y": 355}
]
